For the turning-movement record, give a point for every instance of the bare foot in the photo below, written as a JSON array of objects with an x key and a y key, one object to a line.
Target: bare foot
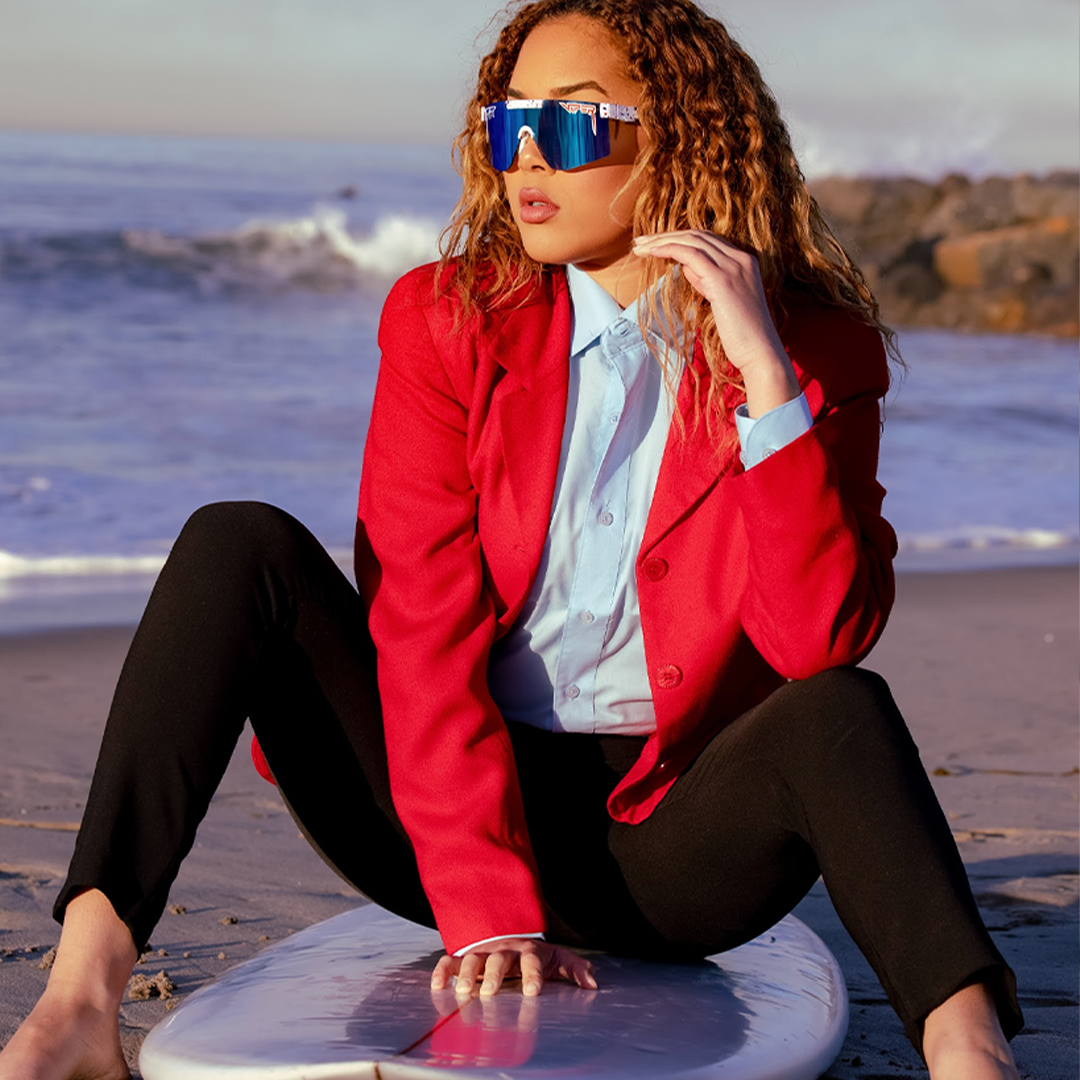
[
  {"x": 974, "y": 1065},
  {"x": 73, "y": 1032},
  {"x": 65, "y": 1040},
  {"x": 962, "y": 1039}
]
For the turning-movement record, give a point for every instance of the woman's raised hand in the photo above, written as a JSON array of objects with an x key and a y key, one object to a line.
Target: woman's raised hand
[
  {"x": 730, "y": 280},
  {"x": 533, "y": 961}
]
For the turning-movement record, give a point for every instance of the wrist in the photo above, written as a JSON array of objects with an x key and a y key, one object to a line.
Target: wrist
[
  {"x": 489, "y": 942},
  {"x": 769, "y": 383}
]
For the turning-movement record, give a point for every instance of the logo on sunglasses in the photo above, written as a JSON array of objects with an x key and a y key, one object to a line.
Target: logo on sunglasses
[{"x": 583, "y": 107}]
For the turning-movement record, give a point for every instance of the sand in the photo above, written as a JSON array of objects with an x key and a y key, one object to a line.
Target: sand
[{"x": 984, "y": 666}]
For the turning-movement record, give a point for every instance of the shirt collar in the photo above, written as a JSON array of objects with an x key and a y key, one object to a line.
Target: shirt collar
[{"x": 593, "y": 310}]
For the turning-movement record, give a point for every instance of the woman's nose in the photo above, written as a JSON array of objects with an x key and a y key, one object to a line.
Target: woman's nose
[{"x": 529, "y": 156}]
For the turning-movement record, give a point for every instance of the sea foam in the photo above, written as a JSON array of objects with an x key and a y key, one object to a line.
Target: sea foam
[
  {"x": 984, "y": 538},
  {"x": 20, "y": 566},
  {"x": 26, "y": 567},
  {"x": 316, "y": 252}
]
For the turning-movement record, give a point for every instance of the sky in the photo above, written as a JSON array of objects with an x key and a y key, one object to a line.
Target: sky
[{"x": 922, "y": 87}]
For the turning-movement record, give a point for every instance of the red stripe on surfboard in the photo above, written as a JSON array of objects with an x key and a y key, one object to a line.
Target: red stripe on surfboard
[{"x": 424, "y": 1038}]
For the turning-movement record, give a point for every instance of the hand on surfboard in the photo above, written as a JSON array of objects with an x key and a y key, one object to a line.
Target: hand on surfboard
[{"x": 534, "y": 962}]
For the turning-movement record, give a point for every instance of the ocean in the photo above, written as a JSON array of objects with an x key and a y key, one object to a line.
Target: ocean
[{"x": 188, "y": 320}]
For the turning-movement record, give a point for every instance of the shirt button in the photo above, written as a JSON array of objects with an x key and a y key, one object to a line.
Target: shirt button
[
  {"x": 587, "y": 617},
  {"x": 605, "y": 518},
  {"x": 668, "y": 677},
  {"x": 614, "y": 418},
  {"x": 655, "y": 569},
  {"x": 573, "y": 692},
  {"x": 767, "y": 453}
]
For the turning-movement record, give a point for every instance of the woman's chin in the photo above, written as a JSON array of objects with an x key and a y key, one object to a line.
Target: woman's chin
[
  {"x": 546, "y": 250},
  {"x": 552, "y": 253}
]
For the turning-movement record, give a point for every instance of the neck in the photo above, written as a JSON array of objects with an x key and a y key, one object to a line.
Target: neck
[{"x": 623, "y": 279}]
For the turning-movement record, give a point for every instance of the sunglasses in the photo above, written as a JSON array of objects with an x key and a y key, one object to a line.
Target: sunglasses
[{"x": 567, "y": 133}]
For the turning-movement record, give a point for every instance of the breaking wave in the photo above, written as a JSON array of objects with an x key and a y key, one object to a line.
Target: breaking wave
[
  {"x": 18, "y": 566},
  {"x": 318, "y": 252},
  {"x": 988, "y": 538},
  {"x": 14, "y": 566}
]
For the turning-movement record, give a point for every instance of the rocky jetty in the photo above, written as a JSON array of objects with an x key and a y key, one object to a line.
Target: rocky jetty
[{"x": 999, "y": 254}]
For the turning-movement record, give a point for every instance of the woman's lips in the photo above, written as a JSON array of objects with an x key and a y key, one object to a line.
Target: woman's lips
[{"x": 536, "y": 207}]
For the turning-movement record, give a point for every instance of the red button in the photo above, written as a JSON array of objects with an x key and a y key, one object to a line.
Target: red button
[
  {"x": 655, "y": 569},
  {"x": 668, "y": 677}
]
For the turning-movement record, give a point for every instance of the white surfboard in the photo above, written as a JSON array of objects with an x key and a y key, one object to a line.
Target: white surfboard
[{"x": 349, "y": 999}]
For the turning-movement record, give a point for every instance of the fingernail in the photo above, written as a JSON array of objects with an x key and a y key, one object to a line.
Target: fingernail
[
  {"x": 531, "y": 988},
  {"x": 487, "y": 988}
]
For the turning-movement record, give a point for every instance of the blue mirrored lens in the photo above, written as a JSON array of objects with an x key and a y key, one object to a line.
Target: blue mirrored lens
[
  {"x": 504, "y": 129},
  {"x": 569, "y": 139},
  {"x": 568, "y": 134}
]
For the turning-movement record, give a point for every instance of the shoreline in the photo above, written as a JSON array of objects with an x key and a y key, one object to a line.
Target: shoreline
[
  {"x": 38, "y": 603},
  {"x": 983, "y": 665}
]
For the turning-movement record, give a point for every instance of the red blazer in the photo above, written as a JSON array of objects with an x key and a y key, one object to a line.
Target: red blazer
[{"x": 745, "y": 579}]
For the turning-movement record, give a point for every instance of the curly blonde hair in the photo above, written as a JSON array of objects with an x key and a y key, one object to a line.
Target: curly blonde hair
[{"x": 717, "y": 157}]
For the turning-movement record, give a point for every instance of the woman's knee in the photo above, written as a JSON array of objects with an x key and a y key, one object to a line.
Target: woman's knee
[
  {"x": 229, "y": 536},
  {"x": 851, "y": 690},
  {"x": 845, "y": 706},
  {"x": 226, "y": 548},
  {"x": 238, "y": 525}
]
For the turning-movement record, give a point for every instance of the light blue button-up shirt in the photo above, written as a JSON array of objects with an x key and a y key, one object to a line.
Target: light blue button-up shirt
[{"x": 575, "y": 658}]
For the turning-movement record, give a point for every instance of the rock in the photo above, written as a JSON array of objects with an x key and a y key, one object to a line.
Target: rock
[
  {"x": 998, "y": 254},
  {"x": 913, "y": 282},
  {"x": 1056, "y": 196},
  {"x": 1007, "y": 315},
  {"x": 878, "y": 217},
  {"x": 1055, "y": 311},
  {"x": 1046, "y": 251},
  {"x": 986, "y": 205}
]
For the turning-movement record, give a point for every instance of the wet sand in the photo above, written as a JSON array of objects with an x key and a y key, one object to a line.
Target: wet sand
[{"x": 984, "y": 666}]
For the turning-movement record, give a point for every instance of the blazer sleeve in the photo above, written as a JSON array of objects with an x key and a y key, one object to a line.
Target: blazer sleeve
[
  {"x": 820, "y": 582},
  {"x": 420, "y": 569}
]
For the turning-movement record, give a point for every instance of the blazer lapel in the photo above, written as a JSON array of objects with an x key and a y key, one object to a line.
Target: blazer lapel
[
  {"x": 691, "y": 464},
  {"x": 533, "y": 346}
]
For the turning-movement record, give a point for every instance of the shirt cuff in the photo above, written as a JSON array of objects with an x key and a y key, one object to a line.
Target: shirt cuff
[
  {"x": 498, "y": 937},
  {"x": 771, "y": 431}
]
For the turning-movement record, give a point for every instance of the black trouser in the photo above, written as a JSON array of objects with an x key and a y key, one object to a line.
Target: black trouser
[{"x": 250, "y": 617}]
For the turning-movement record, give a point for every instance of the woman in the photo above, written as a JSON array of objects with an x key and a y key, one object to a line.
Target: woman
[{"x": 619, "y": 543}]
